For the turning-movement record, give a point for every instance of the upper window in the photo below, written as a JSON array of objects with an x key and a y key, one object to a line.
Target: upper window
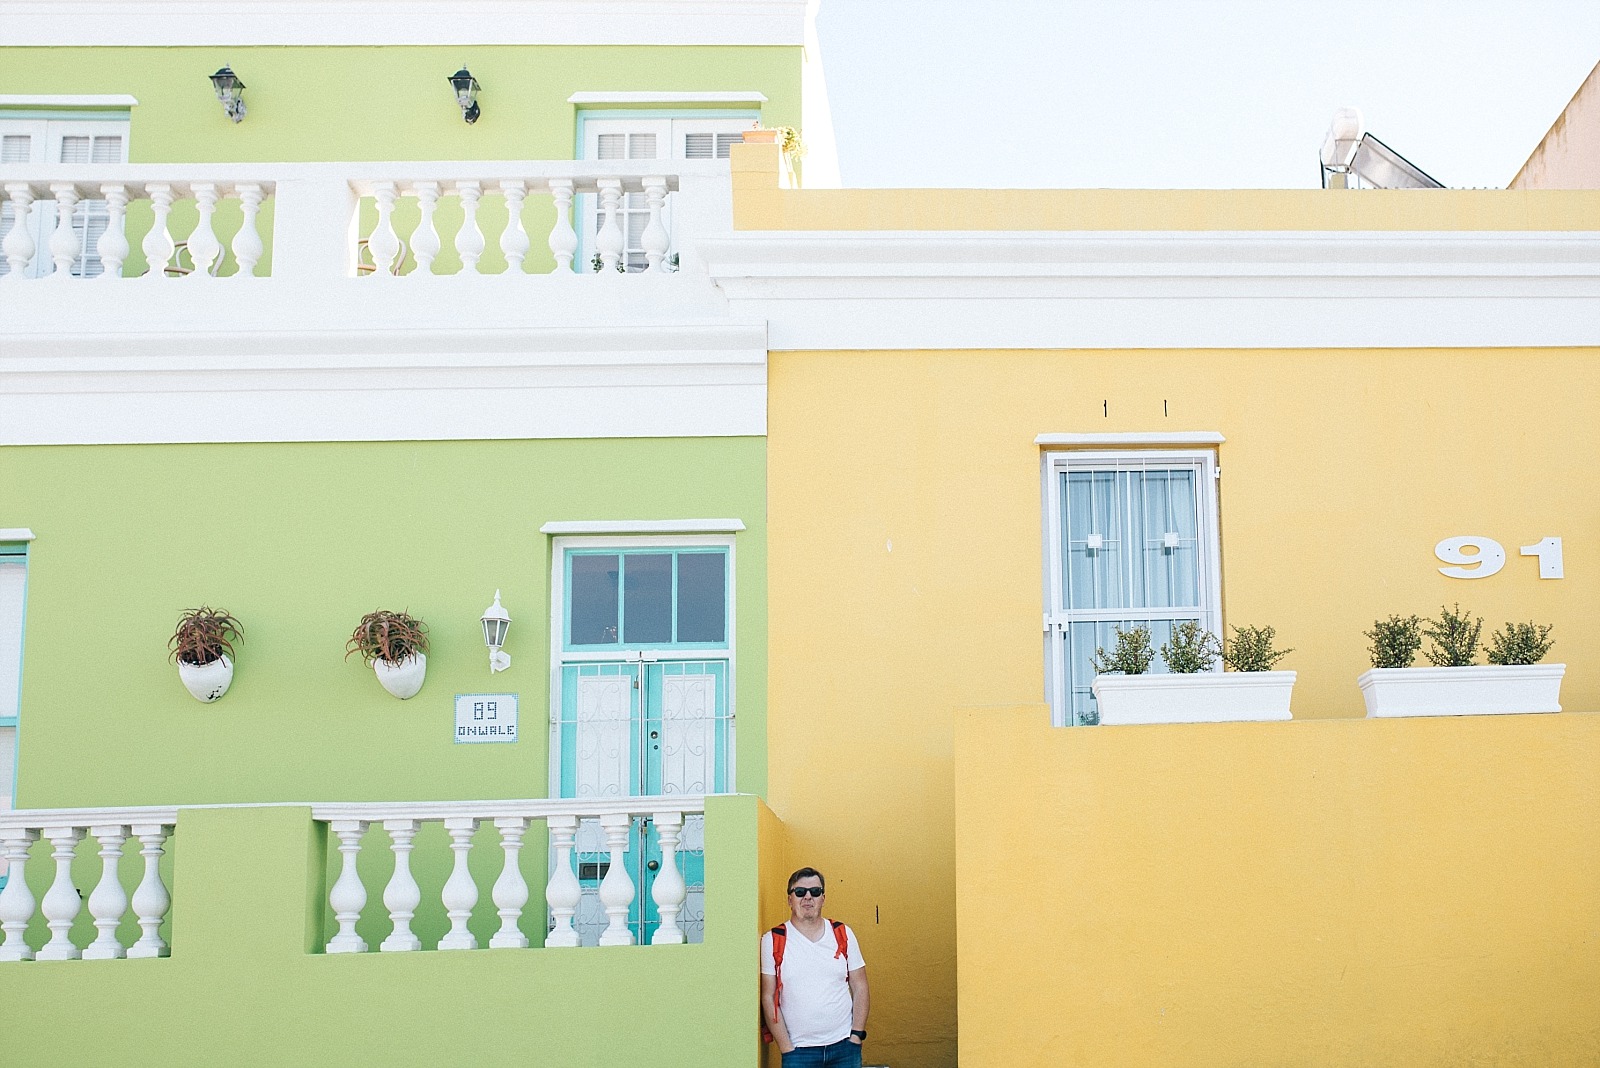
[
  {"x": 1131, "y": 541},
  {"x": 64, "y": 140},
  {"x": 607, "y": 135},
  {"x": 646, "y": 598}
]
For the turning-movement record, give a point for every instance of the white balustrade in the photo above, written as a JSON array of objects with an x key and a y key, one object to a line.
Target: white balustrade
[
  {"x": 592, "y": 206},
  {"x": 619, "y": 819},
  {"x": 108, "y": 900}
]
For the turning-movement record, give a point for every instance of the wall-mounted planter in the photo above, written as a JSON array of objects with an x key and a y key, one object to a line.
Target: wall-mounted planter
[
  {"x": 404, "y": 679},
  {"x": 207, "y": 682},
  {"x": 1203, "y": 697},
  {"x": 1480, "y": 690}
]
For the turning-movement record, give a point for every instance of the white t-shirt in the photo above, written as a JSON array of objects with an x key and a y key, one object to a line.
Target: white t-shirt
[{"x": 815, "y": 1000}]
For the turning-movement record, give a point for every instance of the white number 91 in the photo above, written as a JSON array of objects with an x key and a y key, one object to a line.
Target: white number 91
[{"x": 1486, "y": 558}]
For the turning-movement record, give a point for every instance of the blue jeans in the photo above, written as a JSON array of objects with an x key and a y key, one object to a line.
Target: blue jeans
[{"x": 842, "y": 1054}]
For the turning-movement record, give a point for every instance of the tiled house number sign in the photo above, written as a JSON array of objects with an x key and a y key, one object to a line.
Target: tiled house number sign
[{"x": 486, "y": 718}]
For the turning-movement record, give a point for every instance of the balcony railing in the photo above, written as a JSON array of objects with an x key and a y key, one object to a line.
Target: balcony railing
[
  {"x": 343, "y": 219},
  {"x": 609, "y": 829}
]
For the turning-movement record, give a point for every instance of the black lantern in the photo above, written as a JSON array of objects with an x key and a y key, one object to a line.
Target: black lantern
[
  {"x": 496, "y": 621},
  {"x": 466, "y": 87},
  {"x": 230, "y": 90}
]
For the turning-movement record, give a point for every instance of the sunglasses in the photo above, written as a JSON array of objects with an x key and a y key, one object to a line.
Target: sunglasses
[{"x": 807, "y": 891}]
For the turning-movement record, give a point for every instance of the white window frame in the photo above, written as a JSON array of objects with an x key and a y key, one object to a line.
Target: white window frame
[
  {"x": 13, "y": 723},
  {"x": 558, "y": 653},
  {"x": 1208, "y": 534},
  {"x": 45, "y": 136}
]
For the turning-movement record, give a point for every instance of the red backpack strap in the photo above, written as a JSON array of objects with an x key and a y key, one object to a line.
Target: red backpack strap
[
  {"x": 780, "y": 938},
  {"x": 841, "y": 939}
]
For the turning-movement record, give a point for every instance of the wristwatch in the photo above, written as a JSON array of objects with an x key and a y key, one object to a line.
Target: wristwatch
[{"x": 862, "y": 1035}]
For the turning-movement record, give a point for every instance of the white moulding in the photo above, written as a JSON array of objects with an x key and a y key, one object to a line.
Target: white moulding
[
  {"x": 1204, "y": 697},
  {"x": 1480, "y": 690},
  {"x": 1135, "y": 438},
  {"x": 15, "y": 534},
  {"x": 748, "y": 96},
  {"x": 643, "y": 526},
  {"x": 67, "y": 100}
]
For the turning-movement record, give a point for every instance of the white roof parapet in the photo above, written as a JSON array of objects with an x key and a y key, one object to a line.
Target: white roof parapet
[{"x": 221, "y": 23}]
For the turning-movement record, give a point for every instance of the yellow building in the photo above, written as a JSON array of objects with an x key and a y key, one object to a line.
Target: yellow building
[{"x": 1001, "y": 424}]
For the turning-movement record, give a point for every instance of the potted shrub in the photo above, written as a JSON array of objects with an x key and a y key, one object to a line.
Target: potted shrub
[
  {"x": 1193, "y": 690},
  {"x": 396, "y": 645},
  {"x": 202, "y": 647},
  {"x": 1514, "y": 680}
]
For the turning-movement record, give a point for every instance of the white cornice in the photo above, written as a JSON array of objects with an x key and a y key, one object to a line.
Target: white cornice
[
  {"x": 401, "y": 22},
  {"x": 15, "y": 534},
  {"x": 643, "y": 526},
  {"x": 749, "y": 96},
  {"x": 67, "y": 100},
  {"x": 1138, "y": 438},
  {"x": 1081, "y": 289}
]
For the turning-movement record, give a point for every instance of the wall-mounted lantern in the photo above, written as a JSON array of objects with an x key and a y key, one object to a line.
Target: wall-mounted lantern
[
  {"x": 496, "y": 621},
  {"x": 466, "y": 87},
  {"x": 230, "y": 90}
]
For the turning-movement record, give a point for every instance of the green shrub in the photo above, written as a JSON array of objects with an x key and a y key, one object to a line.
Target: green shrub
[
  {"x": 1395, "y": 641},
  {"x": 1192, "y": 649},
  {"x": 1453, "y": 637},
  {"x": 1251, "y": 649},
  {"x": 1520, "y": 643},
  {"x": 1132, "y": 655}
]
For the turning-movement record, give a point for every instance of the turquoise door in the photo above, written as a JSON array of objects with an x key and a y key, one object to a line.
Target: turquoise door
[{"x": 643, "y": 708}]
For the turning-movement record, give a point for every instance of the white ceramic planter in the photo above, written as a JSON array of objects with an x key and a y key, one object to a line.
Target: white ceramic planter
[
  {"x": 403, "y": 679},
  {"x": 1481, "y": 690},
  {"x": 1203, "y": 697},
  {"x": 207, "y": 682}
]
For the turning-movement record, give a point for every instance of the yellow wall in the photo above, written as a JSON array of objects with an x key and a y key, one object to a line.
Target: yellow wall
[
  {"x": 905, "y": 558},
  {"x": 1348, "y": 892}
]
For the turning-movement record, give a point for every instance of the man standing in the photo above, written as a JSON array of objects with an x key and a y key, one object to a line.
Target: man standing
[{"x": 813, "y": 983}]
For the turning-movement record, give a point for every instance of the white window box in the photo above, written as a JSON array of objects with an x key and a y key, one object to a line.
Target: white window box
[
  {"x": 1204, "y": 697},
  {"x": 1482, "y": 690}
]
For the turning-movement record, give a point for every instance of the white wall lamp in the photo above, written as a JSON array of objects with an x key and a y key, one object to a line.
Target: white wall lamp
[
  {"x": 496, "y": 621},
  {"x": 466, "y": 87},
  {"x": 230, "y": 90}
]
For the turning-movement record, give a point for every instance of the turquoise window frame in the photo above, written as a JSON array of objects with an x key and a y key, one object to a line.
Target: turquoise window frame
[
  {"x": 10, "y": 552},
  {"x": 623, "y": 553}
]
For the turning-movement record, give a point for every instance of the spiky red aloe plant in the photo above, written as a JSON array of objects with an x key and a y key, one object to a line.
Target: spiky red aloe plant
[
  {"x": 387, "y": 636},
  {"x": 204, "y": 635}
]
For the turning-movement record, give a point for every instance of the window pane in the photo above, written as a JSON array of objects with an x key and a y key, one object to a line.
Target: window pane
[
  {"x": 1130, "y": 539},
  {"x": 702, "y": 597},
  {"x": 647, "y": 599},
  {"x": 593, "y": 599},
  {"x": 13, "y": 581}
]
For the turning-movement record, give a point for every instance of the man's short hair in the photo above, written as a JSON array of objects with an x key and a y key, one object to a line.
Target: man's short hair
[{"x": 806, "y": 873}]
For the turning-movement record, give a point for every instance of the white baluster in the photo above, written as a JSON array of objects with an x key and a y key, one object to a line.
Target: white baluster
[
  {"x": 383, "y": 242},
  {"x": 150, "y": 898},
  {"x": 204, "y": 248},
  {"x": 109, "y": 900},
  {"x": 514, "y": 238},
  {"x": 247, "y": 244},
  {"x": 348, "y": 897},
  {"x": 16, "y": 900},
  {"x": 18, "y": 246},
  {"x": 469, "y": 239},
  {"x": 61, "y": 902},
  {"x": 669, "y": 891},
  {"x": 609, "y": 240},
  {"x": 158, "y": 245},
  {"x": 402, "y": 895},
  {"x": 511, "y": 889},
  {"x": 460, "y": 892},
  {"x": 616, "y": 889},
  {"x": 563, "y": 238},
  {"x": 654, "y": 238},
  {"x": 113, "y": 244},
  {"x": 425, "y": 238},
  {"x": 563, "y": 892},
  {"x": 64, "y": 246}
]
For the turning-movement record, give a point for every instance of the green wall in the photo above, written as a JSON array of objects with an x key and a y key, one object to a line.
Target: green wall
[
  {"x": 386, "y": 103},
  {"x": 299, "y": 541},
  {"x": 249, "y": 890}
]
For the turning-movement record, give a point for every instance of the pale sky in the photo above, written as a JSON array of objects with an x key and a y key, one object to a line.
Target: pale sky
[{"x": 1191, "y": 93}]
